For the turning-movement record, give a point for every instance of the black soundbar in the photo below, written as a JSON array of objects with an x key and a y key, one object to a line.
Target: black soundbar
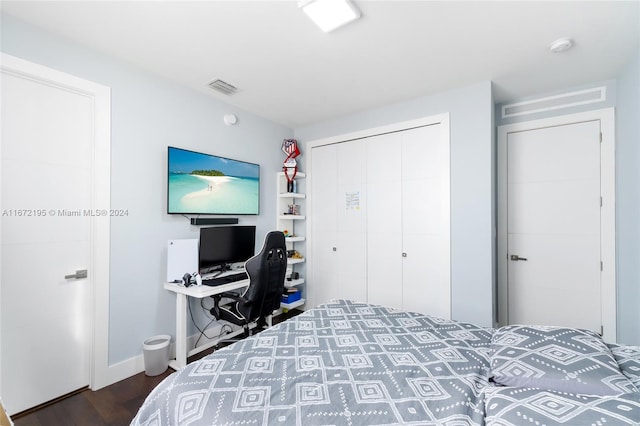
[{"x": 214, "y": 221}]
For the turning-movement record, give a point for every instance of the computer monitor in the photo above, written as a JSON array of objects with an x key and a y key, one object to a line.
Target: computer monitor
[{"x": 221, "y": 246}]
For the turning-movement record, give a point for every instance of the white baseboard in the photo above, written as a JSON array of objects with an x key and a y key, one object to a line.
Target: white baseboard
[
  {"x": 125, "y": 369},
  {"x": 135, "y": 365}
]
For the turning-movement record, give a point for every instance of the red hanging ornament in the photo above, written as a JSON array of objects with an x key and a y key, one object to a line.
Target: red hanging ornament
[{"x": 290, "y": 147}]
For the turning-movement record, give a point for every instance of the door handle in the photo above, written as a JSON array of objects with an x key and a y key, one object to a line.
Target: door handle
[
  {"x": 516, "y": 257},
  {"x": 80, "y": 273}
]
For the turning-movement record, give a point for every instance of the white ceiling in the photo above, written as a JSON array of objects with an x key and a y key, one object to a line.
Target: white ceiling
[{"x": 290, "y": 72}]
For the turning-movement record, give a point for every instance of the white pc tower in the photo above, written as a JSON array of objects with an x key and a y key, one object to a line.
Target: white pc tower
[{"x": 182, "y": 258}]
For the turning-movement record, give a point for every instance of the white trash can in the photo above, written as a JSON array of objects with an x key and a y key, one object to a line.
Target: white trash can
[{"x": 156, "y": 354}]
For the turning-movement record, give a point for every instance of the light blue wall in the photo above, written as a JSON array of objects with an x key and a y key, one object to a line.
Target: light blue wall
[
  {"x": 623, "y": 94},
  {"x": 148, "y": 114},
  {"x": 472, "y": 212},
  {"x": 628, "y": 202}
]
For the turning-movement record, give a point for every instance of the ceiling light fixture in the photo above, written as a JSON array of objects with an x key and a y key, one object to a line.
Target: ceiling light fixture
[
  {"x": 330, "y": 14},
  {"x": 561, "y": 45}
]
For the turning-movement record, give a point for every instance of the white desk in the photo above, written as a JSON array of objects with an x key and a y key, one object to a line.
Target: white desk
[{"x": 200, "y": 292}]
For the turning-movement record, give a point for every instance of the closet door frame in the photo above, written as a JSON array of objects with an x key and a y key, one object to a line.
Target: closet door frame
[{"x": 439, "y": 119}]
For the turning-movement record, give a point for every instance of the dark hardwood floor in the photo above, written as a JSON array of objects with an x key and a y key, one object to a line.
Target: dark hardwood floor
[{"x": 113, "y": 405}]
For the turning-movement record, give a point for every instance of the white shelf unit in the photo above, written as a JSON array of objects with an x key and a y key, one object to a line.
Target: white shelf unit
[
  {"x": 293, "y": 283},
  {"x": 291, "y": 217},
  {"x": 295, "y": 239},
  {"x": 295, "y": 226}
]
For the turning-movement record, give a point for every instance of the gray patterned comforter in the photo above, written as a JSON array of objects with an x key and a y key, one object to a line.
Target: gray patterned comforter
[{"x": 347, "y": 363}]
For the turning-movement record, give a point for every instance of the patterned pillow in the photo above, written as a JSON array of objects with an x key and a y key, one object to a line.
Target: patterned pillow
[
  {"x": 556, "y": 358},
  {"x": 507, "y": 406},
  {"x": 628, "y": 358}
]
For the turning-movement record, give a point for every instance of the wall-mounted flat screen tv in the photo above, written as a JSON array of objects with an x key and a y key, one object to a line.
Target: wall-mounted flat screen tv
[{"x": 200, "y": 183}]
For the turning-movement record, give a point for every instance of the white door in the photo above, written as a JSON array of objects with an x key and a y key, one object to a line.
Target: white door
[
  {"x": 351, "y": 262},
  {"x": 553, "y": 237},
  {"x": 425, "y": 222},
  {"x": 339, "y": 223},
  {"x": 324, "y": 225},
  {"x": 384, "y": 247},
  {"x": 47, "y": 155}
]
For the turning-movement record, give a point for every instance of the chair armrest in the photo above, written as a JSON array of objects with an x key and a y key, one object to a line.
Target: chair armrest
[
  {"x": 235, "y": 296},
  {"x": 227, "y": 294}
]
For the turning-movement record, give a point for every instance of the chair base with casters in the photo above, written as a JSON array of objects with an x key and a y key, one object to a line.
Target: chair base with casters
[{"x": 266, "y": 271}]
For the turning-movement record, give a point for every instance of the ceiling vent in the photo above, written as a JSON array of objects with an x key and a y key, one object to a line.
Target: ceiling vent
[
  {"x": 223, "y": 87},
  {"x": 565, "y": 100}
]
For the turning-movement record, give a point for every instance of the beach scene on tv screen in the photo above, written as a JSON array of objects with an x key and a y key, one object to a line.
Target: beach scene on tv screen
[{"x": 207, "y": 184}]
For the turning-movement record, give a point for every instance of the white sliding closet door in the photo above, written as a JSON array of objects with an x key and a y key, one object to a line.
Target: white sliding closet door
[
  {"x": 380, "y": 218},
  {"x": 324, "y": 225},
  {"x": 352, "y": 220},
  {"x": 425, "y": 222},
  {"x": 339, "y": 223},
  {"x": 384, "y": 231}
]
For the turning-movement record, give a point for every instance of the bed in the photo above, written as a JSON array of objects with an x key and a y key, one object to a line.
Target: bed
[{"x": 348, "y": 363}]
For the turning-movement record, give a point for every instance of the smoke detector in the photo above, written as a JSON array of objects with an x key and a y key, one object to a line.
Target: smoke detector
[{"x": 230, "y": 119}]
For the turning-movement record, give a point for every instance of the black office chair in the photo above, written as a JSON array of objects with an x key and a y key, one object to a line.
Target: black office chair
[{"x": 266, "y": 272}]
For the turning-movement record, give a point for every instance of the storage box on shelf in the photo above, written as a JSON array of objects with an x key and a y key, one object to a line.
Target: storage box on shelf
[
  {"x": 291, "y": 295},
  {"x": 291, "y": 221}
]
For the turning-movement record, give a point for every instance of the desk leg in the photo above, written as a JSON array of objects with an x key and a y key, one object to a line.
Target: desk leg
[{"x": 181, "y": 332}]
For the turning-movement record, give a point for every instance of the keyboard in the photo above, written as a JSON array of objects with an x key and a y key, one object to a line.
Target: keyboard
[{"x": 226, "y": 279}]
